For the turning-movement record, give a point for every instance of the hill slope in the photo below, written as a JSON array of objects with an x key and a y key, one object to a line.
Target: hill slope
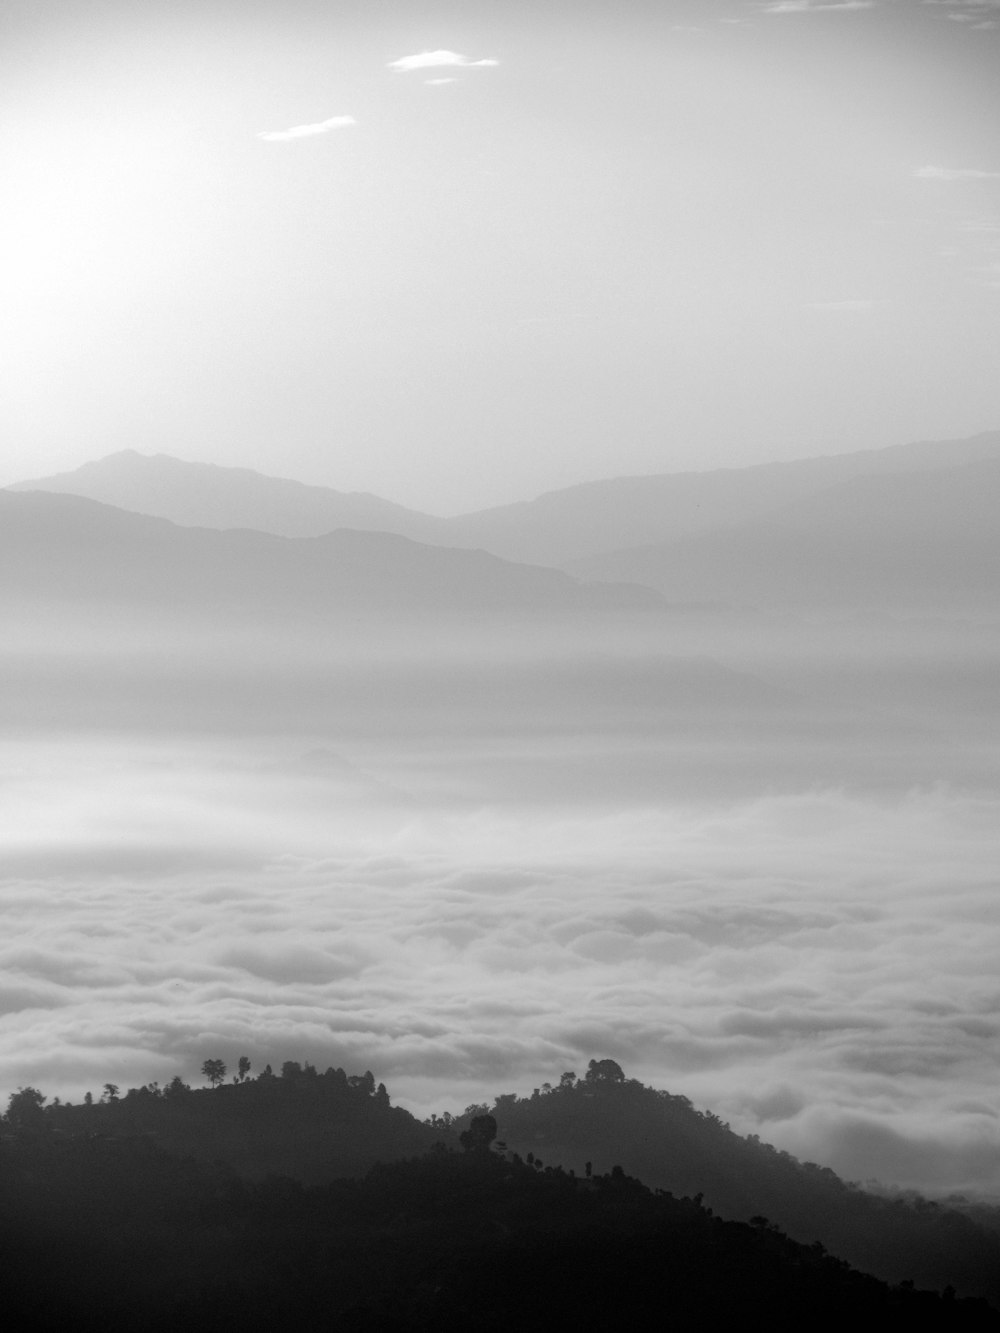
[
  {"x": 917, "y": 542},
  {"x": 60, "y": 547},
  {"x": 203, "y": 495},
  {"x": 565, "y": 525},
  {"x": 447, "y": 1242},
  {"x": 666, "y": 1143},
  {"x": 129, "y": 1214}
]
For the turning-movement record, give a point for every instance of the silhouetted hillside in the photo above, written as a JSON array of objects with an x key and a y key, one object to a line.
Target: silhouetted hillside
[
  {"x": 203, "y": 495},
  {"x": 299, "y": 1122},
  {"x": 665, "y": 1142},
  {"x": 58, "y": 548},
  {"x": 233, "y": 1202},
  {"x": 563, "y": 526},
  {"x": 120, "y": 1236},
  {"x": 918, "y": 542}
]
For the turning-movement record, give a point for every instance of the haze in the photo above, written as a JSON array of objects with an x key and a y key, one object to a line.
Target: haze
[
  {"x": 326, "y": 736},
  {"x": 578, "y": 244}
]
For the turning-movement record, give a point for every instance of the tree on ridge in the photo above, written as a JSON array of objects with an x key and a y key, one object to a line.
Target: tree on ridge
[{"x": 214, "y": 1071}]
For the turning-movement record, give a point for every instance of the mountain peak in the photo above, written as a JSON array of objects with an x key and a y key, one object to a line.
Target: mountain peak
[{"x": 210, "y": 495}]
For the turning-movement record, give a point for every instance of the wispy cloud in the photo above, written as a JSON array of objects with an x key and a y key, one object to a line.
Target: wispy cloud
[
  {"x": 307, "y": 131},
  {"x": 974, "y": 12},
  {"x": 808, "y": 7},
  {"x": 436, "y": 83},
  {"x": 955, "y": 174},
  {"x": 436, "y": 60}
]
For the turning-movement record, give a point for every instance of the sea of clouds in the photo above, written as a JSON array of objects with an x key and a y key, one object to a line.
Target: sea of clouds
[{"x": 816, "y": 966}]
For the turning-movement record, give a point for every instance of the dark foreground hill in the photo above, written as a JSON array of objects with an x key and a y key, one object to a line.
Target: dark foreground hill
[
  {"x": 661, "y": 1139},
  {"x": 253, "y": 1197},
  {"x": 314, "y": 1126},
  {"x": 121, "y": 1236}
]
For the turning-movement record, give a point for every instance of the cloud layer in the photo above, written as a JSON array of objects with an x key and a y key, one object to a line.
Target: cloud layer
[{"x": 819, "y": 968}]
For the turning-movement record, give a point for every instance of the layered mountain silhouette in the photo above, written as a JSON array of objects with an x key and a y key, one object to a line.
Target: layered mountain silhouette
[
  {"x": 570, "y": 524},
  {"x": 557, "y": 527},
  {"x": 909, "y": 542},
  {"x": 63, "y": 548},
  {"x": 202, "y": 495}
]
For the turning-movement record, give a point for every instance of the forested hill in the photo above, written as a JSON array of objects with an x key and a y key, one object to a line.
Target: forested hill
[
  {"x": 230, "y": 1204},
  {"x": 606, "y": 1119},
  {"x": 120, "y": 1236},
  {"x": 312, "y": 1126}
]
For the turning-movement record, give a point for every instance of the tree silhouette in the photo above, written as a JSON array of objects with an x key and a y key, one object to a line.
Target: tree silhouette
[
  {"x": 243, "y": 1068},
  {"x": 214, "y": 1071},
  {"x": 480, "y": 1134},
  {"x": 111, "y": 1091},
  {"x": 605, "y": 1071},
  {"x": 24, "y": 1109}
]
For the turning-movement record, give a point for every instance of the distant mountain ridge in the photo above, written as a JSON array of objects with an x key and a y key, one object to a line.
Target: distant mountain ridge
[
  {"x": 558, "y": 527},
  {"x": 567, "y": 525},
  {"x": 204, "y": 495},
  {"x": 61, "y": 548},
  {"x": 911, "y": 542}
]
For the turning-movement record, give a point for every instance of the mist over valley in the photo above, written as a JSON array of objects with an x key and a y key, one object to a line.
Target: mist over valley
[{"x": 464, "y": 820}]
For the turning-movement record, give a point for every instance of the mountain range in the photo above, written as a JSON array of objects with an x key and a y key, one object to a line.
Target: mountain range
[
  {"x": 905, "y": 541},
  {"x": 907, "y": 528},
  {"x": 61, "y": 548}
]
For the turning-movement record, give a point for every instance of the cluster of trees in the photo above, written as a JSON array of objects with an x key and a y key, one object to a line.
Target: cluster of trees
[
  {"x": 25, "y": 1106},
  {"x": 341, "y": 1123}
]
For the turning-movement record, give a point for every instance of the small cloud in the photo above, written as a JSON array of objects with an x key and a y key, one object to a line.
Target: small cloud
[
  {"x": 306, "y": 131},
  {"x": 435, "y": 60},
  {"x": 955, "y": 174},
  {"x": 860, "y": 306},
  {"x": 435, "y": 83},
  {"x": 807, "y": 6},
  {"x": 980, "y": 5},
  {"x": 974, "y": 12}
]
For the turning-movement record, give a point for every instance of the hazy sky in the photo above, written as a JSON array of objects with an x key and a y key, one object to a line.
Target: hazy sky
[{"x": 573, "y": 240}]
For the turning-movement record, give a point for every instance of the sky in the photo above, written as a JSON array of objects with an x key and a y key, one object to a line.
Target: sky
[{"x": 459, "y": 254}]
